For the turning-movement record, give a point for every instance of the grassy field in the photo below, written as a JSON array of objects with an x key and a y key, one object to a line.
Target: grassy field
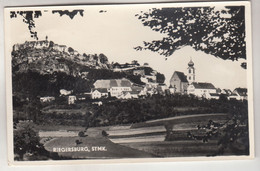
[
  {"x": 187, "y": 119},
  {"x": 179, "y": 148},
  {"x": 113, "y": 150},
  {"x": 145, "y": 139}
]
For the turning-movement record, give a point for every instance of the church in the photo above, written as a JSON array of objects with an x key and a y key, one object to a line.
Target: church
[{"x": 186, "y": 84}]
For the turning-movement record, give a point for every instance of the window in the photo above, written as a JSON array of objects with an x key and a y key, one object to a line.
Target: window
[{"x": 189, "y": 70}]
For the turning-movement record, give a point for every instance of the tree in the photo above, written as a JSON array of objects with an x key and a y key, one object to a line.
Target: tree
[
  {"x": 28, "y": 18},
  {"x": 26, "y": 140},
  {"x": 71, "y": 50},
  {"x": 51, "y": 44},
  {"x": 232, "y": 135},
  {"x": 217, "y": 32},
  {"x": 103, "y": 59},
  {"x": 160, "y": 78}
]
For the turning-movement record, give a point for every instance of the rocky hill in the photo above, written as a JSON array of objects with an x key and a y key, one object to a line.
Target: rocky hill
[
  {"x": 42, "y": 68},
  {"x": 46, "y": 57}
]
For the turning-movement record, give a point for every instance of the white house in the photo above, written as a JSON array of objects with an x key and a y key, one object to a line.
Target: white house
[
  {"x": 98, "y": 93},
  {"x": 71, "y": 99},
  {"x": 114, "y": 86},
  {"x": 125, "y": 95},
  {"x": 239, "y": 94},
  {"x": 47, "y": 99},
  {"x": 226, "y": 92},
  {"x": 201, "y": 89},
  {"x": 64, "y": 92}
]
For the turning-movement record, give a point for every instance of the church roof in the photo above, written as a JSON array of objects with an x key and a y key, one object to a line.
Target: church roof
[
  {"x": 203, "y": 85},
  {"x": 191, "y": 63},
  {"x": 181, "y": 76}
]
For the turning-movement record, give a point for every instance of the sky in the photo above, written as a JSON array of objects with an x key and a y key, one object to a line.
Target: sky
[{"x": 115, "y": 33}]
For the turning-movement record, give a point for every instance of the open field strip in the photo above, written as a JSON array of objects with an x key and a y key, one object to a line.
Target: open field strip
[
  {"x": 182, "y": 119},
  {"x": 155, "y": 131},
  {"x": 187, "y": 116},
  {"x": 139, "y": 139},
  {"x": 60, "y": 133},
  {"x": 129, "y": 131}
]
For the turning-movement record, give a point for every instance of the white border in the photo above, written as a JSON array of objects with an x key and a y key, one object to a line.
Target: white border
[{"x": 139, "y": 160}]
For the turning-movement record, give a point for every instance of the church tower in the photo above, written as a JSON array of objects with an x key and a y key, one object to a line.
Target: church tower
[{"x": 191, "y": 72}]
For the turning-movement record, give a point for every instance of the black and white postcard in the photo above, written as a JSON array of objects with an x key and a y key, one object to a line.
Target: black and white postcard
[{"x": 129, "y": 83}]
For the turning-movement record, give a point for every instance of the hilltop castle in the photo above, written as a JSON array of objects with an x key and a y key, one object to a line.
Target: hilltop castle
[{"x": 40, "y": 44}]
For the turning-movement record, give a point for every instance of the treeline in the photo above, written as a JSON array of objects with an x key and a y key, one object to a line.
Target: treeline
[
  {"x": 139, "y": 110},
  {"x": 157, "y": 107},
  {"x": 33, "y": 85}
]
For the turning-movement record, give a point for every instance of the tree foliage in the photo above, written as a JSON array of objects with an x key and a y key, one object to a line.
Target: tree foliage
[
  {"x": 28, "y": 18},
  {"x": 26, "y": 140},
  {"x": 217, "y": 32},
  {"x": 71, "y": 14},
  {"x": 70, "y": 49},
  {"x": 232, "y": 134}
]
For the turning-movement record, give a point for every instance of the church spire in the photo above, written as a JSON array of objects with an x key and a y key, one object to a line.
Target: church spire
[{"x": 191, "y": 72}]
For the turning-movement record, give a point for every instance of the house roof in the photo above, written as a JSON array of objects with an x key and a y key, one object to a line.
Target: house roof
[
  {"x": 101, "y": 90},
  {"x": 241, "y": 91},
  {"x": 181, "y": 76},
  {"x": 214, "y": 94},
  {"x": 227, "y": 91},
  {"x": 134, "y": 92},
  {"x": 124, "y": 93},
  {"x": 137, "y": 88},
  {"x": 162, "y": 84},
  {"x": 203, "y": 85},
  {"x": 112, "y": 83}
]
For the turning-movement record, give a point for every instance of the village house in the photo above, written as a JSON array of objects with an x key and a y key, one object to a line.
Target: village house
[
  {"x": 206, "y": 90},
  {"x": 119, "y": 67},
  {"x": 114, "y": 86},
  {"x": 99, "y": 103},
  {"x": 60, "y": 48},
  {"x": 64, "y": 92},
  {"x": 47, "y": 99},
  {"x": 135, "y": 94},
  {"x": 125, "y": 95},
  {"x": 72, "y": 99},
  {"x": 142, "y": 91},
  {"x": 98, "y": 93},
  {"x": 138, "y": 72},
  {"x": 239, "y": 94},
  {"x": 226, "y": 92}
]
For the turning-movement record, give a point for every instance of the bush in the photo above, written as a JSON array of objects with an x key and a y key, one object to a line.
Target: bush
[{"x": 81, "y": 134}]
